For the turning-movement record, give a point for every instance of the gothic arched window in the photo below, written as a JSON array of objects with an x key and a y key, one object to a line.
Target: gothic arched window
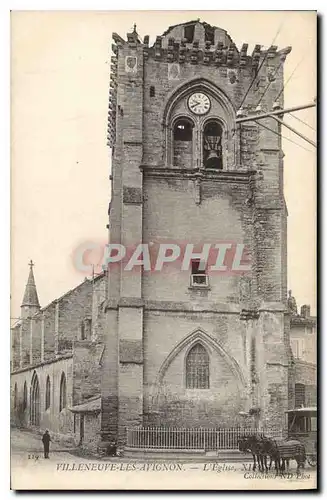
[
  {"x": 212, "y": 148},
  {"x": 63, "y": 392},
  {"x": 35, "y": 401},
  {"x": 25, "y": 396},
  {"x": 183, "y": 145},
  {"x": 47, "y": 393},
  {"x": 197, "y": 368}
]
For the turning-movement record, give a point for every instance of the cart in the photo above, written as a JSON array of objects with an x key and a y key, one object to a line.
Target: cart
[{"x": 302, "y": 425}]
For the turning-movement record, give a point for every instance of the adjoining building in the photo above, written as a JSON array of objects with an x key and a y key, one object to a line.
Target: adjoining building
[{"x": 56, "y": 362}]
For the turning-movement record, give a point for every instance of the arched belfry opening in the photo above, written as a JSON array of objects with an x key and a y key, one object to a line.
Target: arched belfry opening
[
  {"x": 200, "y": 136},
  {"x": 212, "y": 147},
  {"x": 183, "y": 143}
]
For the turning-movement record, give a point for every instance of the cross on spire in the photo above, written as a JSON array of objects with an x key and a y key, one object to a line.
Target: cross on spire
[
  {"x": 30, "y": 298},
  {"x": 134, "y": 27}
]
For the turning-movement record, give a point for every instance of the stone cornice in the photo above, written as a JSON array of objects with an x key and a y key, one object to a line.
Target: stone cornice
[
  {"x": 239, "y": 176},
  {"x": 172, "y": 306},
  {"x": 179, "y": 306},
  {"x": 130, "y": 302},
  {"x": 167, "y": 306}
]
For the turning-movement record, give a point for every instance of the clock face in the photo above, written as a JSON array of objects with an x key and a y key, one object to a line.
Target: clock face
[{"x": 199, "y": 103}]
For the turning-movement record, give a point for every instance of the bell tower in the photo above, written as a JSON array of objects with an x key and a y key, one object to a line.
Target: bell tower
[{"x": 203, "y": 346}]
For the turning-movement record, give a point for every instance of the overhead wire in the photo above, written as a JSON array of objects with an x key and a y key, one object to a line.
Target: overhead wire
[
  {"x": 268, "y": 85},
  {"x": 286, "y": 138},
  {"x": 302, "y": 121},
  {"x": 260, "y": 66},
  {"x": 291, "y": 76}
]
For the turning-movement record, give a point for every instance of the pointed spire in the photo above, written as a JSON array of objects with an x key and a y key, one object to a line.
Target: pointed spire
[{"x": 30, "y": 296}]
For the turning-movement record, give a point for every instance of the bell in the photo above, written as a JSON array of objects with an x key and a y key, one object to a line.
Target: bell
[
  {"x": 213, "y": 160},
  {"x": 213, "y": 145}
]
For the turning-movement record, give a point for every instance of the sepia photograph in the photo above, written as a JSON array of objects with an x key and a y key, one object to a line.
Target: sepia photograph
[{"x": 163, "y": 250}]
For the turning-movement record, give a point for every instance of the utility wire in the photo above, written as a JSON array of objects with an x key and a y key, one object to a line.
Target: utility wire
[
  {"x": 262, "y": 62},
  {"x": 291, "y": 76},
  {"x": 286, "y": 138},
  {"x": 304, "y": 123},
  {"x": 267, "y": 87}
]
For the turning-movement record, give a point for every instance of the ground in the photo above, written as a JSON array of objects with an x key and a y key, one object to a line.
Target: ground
[{"x": 66, "y": 470}]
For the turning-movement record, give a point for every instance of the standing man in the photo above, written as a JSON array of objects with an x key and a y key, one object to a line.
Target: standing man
[{"x": 46, "y": 443}]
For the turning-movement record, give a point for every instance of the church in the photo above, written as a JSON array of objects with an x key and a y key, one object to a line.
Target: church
[{"x": 128, "y": 355}]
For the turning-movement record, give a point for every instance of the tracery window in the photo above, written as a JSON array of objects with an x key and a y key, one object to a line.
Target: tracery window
[{"x": 197, "y": 368}]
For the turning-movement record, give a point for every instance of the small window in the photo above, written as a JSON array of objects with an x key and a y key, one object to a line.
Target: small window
[
  {"x": 199, "y": 275},
  {"x": 152, "y": 91},
  {"x": 189, "y": 33},
  {"x": 197, "y": 368}
]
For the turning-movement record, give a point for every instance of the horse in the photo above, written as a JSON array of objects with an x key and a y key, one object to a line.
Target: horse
[
  {"x": 282, "y": 451},
  {"x": 254, "y": 445}
]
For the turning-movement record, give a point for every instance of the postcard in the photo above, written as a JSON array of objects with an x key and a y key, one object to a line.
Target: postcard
[{"x": 163, "y": 281}]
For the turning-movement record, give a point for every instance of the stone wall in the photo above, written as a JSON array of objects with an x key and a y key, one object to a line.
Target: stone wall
[
  {"x": 86, "y": 369},
  {"x": 91, "y": 426},
  {"x": 58, "y": 422},
  {"x": 222, "y": 217},
  {"x": 168, "y": 336}
]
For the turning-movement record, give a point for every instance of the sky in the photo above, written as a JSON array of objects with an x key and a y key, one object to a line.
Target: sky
[{"x": 60, "y": 162}]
